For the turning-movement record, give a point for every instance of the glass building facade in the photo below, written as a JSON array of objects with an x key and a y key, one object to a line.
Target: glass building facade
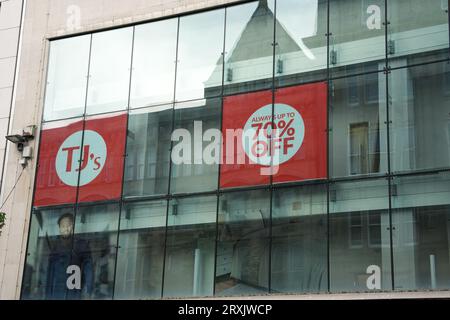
[{"x": 116, "y": 217}]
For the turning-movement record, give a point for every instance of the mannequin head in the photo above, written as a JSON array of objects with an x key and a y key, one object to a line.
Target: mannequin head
[{"x": 65, "y": 223}]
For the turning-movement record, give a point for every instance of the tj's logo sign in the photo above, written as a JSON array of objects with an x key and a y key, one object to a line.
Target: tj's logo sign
[
  {"x": 93, "y": 158},
  {"x": 90, "y": 152}
]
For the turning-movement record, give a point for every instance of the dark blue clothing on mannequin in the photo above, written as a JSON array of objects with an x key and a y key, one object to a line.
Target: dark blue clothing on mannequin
[{"x": 60, "y": 258}]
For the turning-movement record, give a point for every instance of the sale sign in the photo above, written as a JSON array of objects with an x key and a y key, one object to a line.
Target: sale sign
[
  {"x": 81, "y": 160},
  {"x": 286, "y": 139}
]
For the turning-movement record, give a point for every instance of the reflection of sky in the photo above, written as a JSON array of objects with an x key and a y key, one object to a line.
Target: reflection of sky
[
  {"x": 200, "y": 47},
  {"x": 298, "y": 17},
  {"x": 154, "y": 62},
  {"x": 67, "y": 73},
  {"x": 110, "y": 70}
]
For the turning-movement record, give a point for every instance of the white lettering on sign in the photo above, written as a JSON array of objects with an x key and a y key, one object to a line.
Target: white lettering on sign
[
  {"x": 92, "y": 161},
  {"x": 273, "y": 137}
]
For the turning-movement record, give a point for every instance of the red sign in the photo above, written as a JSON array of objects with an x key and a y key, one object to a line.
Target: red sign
[
  {"x": 97, "y": 177},
  {"x": 286, "y": 140}
]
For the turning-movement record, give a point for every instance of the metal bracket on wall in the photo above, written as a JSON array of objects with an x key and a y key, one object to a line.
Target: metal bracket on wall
[
  {"x": 391, "y": 47},
  {"x": 333, "y": 57}
]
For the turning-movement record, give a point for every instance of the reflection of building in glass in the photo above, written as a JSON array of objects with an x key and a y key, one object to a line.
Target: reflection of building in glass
[{"x": 175, "y": 232}]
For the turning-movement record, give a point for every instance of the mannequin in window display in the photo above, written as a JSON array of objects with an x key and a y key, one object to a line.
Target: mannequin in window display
[{"x": 61, "y": 257}]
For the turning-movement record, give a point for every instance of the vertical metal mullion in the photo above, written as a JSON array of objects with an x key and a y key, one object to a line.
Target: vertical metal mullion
[
  {"x": 170, "y": 158},
  {"x": 220, "y": 152},
  {"x": 271, "y": 191},
  {"x": 124, "y": 162},
  {"x": 387, "y": 72},
  {"x": 328, "y": 132}
]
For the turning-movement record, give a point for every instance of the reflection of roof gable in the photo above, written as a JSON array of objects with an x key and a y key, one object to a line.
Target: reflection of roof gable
[{"x": 257, "y": 37}]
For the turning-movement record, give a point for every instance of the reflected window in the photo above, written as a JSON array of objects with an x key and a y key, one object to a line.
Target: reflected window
[
  {"x": 356, "y": 229},
  {"x": 374, "y": 230},
  {"x": 358, "y": 138},
  {"x": 359, "y": 151}
]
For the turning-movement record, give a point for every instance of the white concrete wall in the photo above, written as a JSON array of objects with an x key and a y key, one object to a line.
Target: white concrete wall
[
  {"x": 45, "y": 19},
  {"x": 10, "y": 22},
  {"x": 10, "y": 19}
]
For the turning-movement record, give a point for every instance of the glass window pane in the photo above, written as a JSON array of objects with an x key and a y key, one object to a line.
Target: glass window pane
[
  {"x": 147, "y": 162},
  {"x": 301, "y": 39},
  {"x": 190, "y": 248},
  {"x": 196, "y": 146},
  {"x": 95, "y": 243},
  {"x": 299, "y": 243},
  {"x": 141, "y": 250},
  {"x": 101, "y": 168},
  {"x": 49, "y": 257},
  {"x": 65, "y": 95},
  {"x": 417, "y": 31},
  {"x": 358, "y": 138},
  {"x": 360, "y": 252},
  {"x": 109, "y": 78},
  {"x": 59, "y": 156},
  {"x": 153, "y": 77},
  {"x": 249, "y": 47},
  {"x": 200, "y": 47},
  {"x": 243, "y": 244},
  {"x": 357, "y": 37},
  {"x": 419, "y": 111},
  {"x": 421, "y": 233}
]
